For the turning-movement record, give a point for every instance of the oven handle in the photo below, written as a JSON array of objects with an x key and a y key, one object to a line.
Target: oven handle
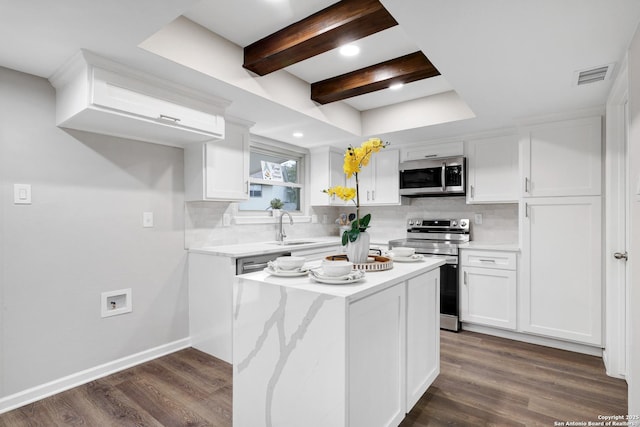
[
  {"x": 450, "y": 259},
  {"x": 443, "y": 176}
]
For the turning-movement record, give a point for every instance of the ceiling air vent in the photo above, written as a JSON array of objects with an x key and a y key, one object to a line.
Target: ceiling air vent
[{"x": 593, "y": 75}]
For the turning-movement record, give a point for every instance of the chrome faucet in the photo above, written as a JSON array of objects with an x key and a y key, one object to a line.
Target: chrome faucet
[{"x": 280, "y": 235}]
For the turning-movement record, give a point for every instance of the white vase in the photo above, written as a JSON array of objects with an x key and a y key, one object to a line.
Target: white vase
[{"x": 358, "y": 251}]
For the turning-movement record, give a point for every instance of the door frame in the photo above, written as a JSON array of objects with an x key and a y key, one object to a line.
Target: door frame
[{"x": 616, "y": 223}]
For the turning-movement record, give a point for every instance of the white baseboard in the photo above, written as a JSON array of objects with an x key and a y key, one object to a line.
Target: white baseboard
[
  {"x": 48, "y": 389},
  {"x": 534, "y": 339}
]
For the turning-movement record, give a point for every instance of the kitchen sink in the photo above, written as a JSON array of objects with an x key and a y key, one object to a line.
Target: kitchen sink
[{"x": 292, "y": 243}]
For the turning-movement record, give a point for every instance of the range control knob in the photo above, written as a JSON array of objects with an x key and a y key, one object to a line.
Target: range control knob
[
  {"x": 454, "y": 223},
  {"x": 410, "y": 222},
  {"x": 463, "y": 223}
]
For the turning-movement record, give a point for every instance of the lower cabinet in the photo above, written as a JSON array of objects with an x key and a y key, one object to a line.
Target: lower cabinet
[
  {"x": 394, "y": 350},
  {"x": 423, "y": 335},
  {"x": 377, "y": 348},
  {"x": 561, "y": 289},
  {"x": 488, "y": 288}
]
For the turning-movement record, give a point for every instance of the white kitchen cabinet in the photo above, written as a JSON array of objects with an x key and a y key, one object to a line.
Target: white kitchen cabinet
[
  {"x": 561, "y": 280},
  {"x": 394, "y": 334},
  {"x": 97, "y": 95},
  {"x": 488, "y": 290},
  {"x": 492, "y": 170},
  {"x": 562, "y": 158},
  {"x": 423, "y": 349},
  {"x": 430, "y": 151},
  {"x": 219, "y": 171},
  {"x": 210, "y": 304},
  {"x": 380, "y": 179},
  {"x": 326, "y": 170},
  {"x": 376, "y": 364}
]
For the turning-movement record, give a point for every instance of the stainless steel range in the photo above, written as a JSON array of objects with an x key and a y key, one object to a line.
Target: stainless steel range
[{"x": 440, "y": 238}]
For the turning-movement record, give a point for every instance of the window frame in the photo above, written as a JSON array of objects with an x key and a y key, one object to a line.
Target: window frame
[{"x": 270, "y": 147}]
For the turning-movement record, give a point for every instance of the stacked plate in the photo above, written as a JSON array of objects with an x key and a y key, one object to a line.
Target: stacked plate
[{"x": 354, "y": 276}]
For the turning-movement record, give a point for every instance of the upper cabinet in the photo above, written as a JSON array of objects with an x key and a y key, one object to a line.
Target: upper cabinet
[
  {"x": 430, "y": 151},
  {"x": 219, "y": 171},
  {"x": 97, "y": 95},
  {"x": 562, "y": 158},
  {"x": 380, "y": 179},
  {"x": 325, "y": 172},
  {"x": 492, "y": 170}
]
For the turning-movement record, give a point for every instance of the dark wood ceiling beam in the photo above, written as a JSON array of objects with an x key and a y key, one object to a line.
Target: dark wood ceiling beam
[
  {"x": 338, "y": 24},
  {"x": 405, "y": 69}
]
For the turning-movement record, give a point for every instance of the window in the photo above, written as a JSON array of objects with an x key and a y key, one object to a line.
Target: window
[{"x": 274, "y": 173}]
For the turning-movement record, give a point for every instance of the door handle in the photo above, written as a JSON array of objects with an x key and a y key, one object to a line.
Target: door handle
[
  {"x": 621, "y": 255},
  {"x": 472, "y": 192},
  {"x": 465, "y": 278},
  {"x": 526, "y": 185}
]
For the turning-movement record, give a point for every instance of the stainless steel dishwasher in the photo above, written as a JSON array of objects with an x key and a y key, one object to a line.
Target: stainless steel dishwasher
[{"x": 256, "y": 263}]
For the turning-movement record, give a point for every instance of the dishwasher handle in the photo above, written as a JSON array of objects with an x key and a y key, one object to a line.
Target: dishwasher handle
[{"x": 251, "y": 267}]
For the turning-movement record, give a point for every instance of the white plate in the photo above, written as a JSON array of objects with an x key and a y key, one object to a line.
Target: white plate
[
  {"x": 412, "y": 258},
  {"x": 340, "y": 280},
  {"x": 288, "y": 273}
]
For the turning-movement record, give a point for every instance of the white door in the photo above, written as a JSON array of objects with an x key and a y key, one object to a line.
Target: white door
[
  {"x": 562, "y": 273},
  {"x": 617, "y": 229}
]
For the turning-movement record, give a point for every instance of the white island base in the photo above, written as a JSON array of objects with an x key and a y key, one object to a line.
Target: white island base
[{"x": 358, "y": 355}]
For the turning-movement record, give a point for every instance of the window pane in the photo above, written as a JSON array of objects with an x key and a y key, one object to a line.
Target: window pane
[
  {"x": 279, "y": 168},
  {"x": 261, "y": 164},
  {"x": 260, "y": 201}
]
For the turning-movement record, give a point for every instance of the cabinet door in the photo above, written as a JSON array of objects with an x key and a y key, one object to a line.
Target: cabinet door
[
  {"x": 227, "y": 165},
  {"x": 326, "y": 170},
  {"x": 493, "y": 170},
  {"x": 561, "y": 268},
  {"x": 376, "y": 361},
  {"x": 423, "y": 334},
  {"x": 488, "y": 297},
  {"x": 563, "y": 159},
  {"x": 387, "y": 179},
  {"x": 379, "y": 180}
]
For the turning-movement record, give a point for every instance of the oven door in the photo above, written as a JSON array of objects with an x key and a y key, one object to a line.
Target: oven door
[{"x": 449, "y": 300}]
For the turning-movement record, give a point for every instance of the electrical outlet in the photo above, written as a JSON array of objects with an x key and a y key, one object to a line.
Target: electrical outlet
[
  {"x": 147, "y": 219},
  {"x": 477, "y": 219},
  {"x": 22, "y": 194}
]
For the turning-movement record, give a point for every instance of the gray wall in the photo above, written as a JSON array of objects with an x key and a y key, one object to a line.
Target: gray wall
[{"x": 82, "y": 236}]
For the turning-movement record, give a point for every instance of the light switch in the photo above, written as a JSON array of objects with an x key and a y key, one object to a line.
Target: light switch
[
  {"x": 22, "y": 194},
  {"x": 477, "y": 219},
  {"x": 147, "y": 219}
]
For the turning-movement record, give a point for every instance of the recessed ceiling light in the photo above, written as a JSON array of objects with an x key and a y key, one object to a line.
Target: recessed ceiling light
[
  {"x": 298, "y": 134},
  {"x": 349, "y": 50},
  {"x": 396, "y": 86}
]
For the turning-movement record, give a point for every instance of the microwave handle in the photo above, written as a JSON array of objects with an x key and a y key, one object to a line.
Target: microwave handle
[{"x": 443, "y": 176}]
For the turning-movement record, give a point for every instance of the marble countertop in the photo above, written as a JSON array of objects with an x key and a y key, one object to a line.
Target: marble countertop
[
  {"x": 271, "y": 247},
  {"x": 373, "y": 282},
  {"x": 511, "y": 247}
]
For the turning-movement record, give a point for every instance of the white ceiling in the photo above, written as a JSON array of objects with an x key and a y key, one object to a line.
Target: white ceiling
[{"x": 507, "y": 59}]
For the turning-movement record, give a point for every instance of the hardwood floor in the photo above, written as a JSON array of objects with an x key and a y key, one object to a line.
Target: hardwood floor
[{"x": 484, "y": 381}]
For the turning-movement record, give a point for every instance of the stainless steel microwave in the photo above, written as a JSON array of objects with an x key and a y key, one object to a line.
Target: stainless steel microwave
[{"x": 433, "y": 177}]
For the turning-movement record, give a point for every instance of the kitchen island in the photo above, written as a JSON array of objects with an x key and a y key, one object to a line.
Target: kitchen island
[{"x": 311, "y": 354}]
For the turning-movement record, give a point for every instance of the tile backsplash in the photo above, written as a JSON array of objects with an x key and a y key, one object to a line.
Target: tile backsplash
[{"x": 204, "y": 225}]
